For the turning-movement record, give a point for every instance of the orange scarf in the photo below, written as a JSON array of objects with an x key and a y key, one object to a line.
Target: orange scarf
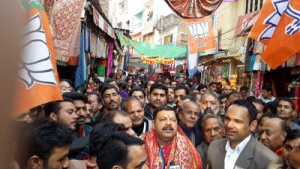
[
  {"x": 279, "y": 152},
  {"x": 183, "y": 152}
]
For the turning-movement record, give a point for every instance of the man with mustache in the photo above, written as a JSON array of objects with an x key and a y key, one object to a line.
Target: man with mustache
[
  {"x": 180, "y": 91},
  {"x": 240, "y": 149},
  {"x": 111, "y": 99},
  {"x": 167, "y": 146},
  {"x": 79, "y": 149},
  {"x": 64, "y": 112},
  {"x": 209, "y": 103},
  {"x": 285, "y": 110},
  {"x": 212, "y": 129},
  {"x": 291, "y": 150},
  {"x": 135, "y": 110},
  {"x": 80, "y": 100},
  {"x": 213, "y": 86},
  {"x": 96, "y": 104},
  {"x": 157, "y": 97}
]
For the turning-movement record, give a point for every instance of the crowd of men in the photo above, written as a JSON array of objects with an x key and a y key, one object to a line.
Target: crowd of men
[{"x": 159, "y": 125}]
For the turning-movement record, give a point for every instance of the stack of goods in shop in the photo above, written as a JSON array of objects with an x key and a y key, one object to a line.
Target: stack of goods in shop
[{"x": 233, "y": 81}]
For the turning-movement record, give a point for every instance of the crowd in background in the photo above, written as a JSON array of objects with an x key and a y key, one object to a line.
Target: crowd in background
[{"x": 158, "y": 122}]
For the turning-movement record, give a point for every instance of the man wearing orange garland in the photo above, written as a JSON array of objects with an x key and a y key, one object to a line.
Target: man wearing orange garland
[{"x": 167, "y": 146}]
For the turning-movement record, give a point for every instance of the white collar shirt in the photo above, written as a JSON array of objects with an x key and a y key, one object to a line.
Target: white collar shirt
[{"x": 233, "y": 154}]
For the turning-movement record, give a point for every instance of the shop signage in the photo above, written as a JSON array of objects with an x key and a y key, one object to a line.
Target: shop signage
[
  {"x": 219, "y": 55},
  {"x": 152, "y": 61},
  {"x": 245, "y": 22}
]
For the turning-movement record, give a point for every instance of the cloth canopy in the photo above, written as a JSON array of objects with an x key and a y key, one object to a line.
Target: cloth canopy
[{"x": 150, "y": 50}]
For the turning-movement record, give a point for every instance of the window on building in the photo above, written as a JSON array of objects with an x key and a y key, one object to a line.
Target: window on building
[
  {"x": 183, "y": 39},
  {"x": 149, "y": 38},
  {"x": 137, "y": 20},
  {"x": 253, "y": 5},
  {"x": 256, "y": 5},
  {"x": 261, "y": 4},
  {"x": 247, "y": 6},
  {"x": 168, "y": 39},
  {"x": 122, "y": 7}
]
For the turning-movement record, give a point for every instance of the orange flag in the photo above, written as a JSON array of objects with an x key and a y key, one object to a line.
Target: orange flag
[
  {"x": 201, "y": 35},
  {"x": 285, "y": 40},
  {"x": 268, "y": 20},
  {"x": 37, "y": 71}
]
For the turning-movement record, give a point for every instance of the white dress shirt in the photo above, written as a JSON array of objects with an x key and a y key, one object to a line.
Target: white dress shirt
[
  {"x": 266, "y": 100},
  {"x": 233, "y": 154}
]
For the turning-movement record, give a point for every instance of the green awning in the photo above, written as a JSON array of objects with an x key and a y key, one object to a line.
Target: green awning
[{"x": 150, "y": 50}]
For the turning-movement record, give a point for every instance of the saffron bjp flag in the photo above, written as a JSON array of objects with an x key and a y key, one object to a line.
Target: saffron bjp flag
[
  {"x": 201, "y": 37},
  {"x": 268, "y": 20},
  {"x": 285, "y": 40},
  {"x": 38, "y": 77}
]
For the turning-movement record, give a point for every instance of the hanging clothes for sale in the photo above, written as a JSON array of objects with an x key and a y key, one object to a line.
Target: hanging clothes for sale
[
  {"x": 298, "y": 59},
  {"x": 252, "y": 61},
  {"x": 292, "y": 61},
  {"x": 65, "y": 23},
  {"x": 101, "y": 70},
  {"x": 110, "y": 59},
  {"x": 259, "y": 83},
  {"x": 257, "y": 63},
  {"x": 95, "y": 48},
  {"x": 87, "y": 42}
]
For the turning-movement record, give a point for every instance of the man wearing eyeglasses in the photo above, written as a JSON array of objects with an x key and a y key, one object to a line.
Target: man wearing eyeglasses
[
  {"x": 189, "y": 114},
  {"x": 291, "y": 149}
]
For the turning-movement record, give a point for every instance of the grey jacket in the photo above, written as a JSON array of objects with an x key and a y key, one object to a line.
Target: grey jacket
[{"x": 254, "y": 156}]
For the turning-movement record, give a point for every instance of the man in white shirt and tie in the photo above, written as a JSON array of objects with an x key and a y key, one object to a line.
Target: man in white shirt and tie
[{"x": 240, "y": 149}]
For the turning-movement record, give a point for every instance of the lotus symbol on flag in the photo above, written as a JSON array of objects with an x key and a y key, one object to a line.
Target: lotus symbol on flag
[
  {"x": 293, "y": 27},
  {"x": 273, "y": 19},
  {"x": 35, "y": 66},
  {"x": 199, "y": 31}
]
